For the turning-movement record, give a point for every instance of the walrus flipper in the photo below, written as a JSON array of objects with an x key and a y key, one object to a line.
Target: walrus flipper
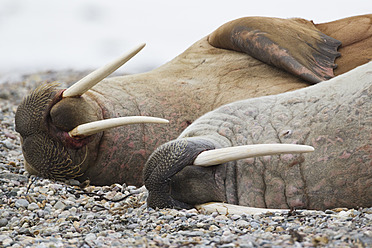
[{"x": 294, "y": 45}]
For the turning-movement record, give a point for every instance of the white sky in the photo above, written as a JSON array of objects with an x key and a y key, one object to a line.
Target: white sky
[{"x": 85, "y": 34}]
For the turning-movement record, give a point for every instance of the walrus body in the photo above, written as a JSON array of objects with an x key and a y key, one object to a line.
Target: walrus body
[
  {"x": 335, "y": 117},
  {"x": 199, "y": 80}
]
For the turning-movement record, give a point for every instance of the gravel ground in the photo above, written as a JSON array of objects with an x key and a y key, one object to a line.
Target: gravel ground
[{"x": 60, "y": 214}]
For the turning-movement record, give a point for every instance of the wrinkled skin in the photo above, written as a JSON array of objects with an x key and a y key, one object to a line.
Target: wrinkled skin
[
  {"x": 199, "y": 80},
  {"x": 335, "y": 117}
]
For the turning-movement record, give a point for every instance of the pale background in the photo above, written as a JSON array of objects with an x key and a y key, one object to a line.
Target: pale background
[{"x": 85, "y": 34}]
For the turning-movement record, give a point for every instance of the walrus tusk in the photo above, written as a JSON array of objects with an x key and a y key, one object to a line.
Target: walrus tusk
[
  {"x": 91, "y": 128},
  {"x": 223, "y": 155},
  {"x": 86, "y": 83},
  {"x": 225, "y": 208}
]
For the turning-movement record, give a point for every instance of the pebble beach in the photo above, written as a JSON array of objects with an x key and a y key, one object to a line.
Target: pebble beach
[{"x": 48, "y": 213}]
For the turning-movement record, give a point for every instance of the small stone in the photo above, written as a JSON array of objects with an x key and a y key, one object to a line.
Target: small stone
[
  {"x": 90, "y": 237},
  {"x": 221, "y": 218},
  {"x": 33, "y": 206},
  {"x": 43, "y": 190},
  {"x": 213, "y": 228},
  {"x": 328, "y": 211},
  {"x": 235, "y": 217},
  {"x": 242, "y": 223},
  {"x": 254, "y": 225},
  {"x": 21, "y": 203},
  {"x": 7, "y": 242},
  {"x": 3, "y": 222},
  {"x": 167, "y": 227},
  {"x": 59, "y": 205},
  {"x": 200, "y": 225},
  {"x": 8, "y": 144},
  {"x": 73, "y": 182},
  {"x": 133, "y": 226},
  {"x": 320, "y": 240},
  {"x": 339, "y": 209},
  {"x": 227, "y": 237}
]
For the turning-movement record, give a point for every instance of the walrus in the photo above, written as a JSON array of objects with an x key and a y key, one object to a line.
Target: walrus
[
  {"x": 333, "y": 117},
  {"x": 248, "y": 57}
]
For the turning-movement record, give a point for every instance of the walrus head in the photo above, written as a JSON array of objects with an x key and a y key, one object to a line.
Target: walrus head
[{"x": 60, "y": 128}]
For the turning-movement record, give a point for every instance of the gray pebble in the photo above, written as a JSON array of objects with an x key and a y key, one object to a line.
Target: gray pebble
[
  {"x": 235, "y": 217},
  {"x": 21, "y": 203},
  {"x": 90, "y": 237},
  {"x": 3, "y": 222},
  {"x": 8, "y": 144},
  {"x": 59, "y": 205},
  {"x": 33, "y": 206},
  {"x": 242, "y": 223}
]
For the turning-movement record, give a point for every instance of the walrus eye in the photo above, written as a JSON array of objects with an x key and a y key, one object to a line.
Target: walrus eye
[
  {"x": 86, "y": 83},
  {"x": 91, "y": 128},
  {"x": 224, "y": 155}
]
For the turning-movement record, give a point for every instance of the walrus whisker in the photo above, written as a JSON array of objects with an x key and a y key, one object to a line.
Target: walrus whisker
[
  {"x": 91, "y": 128},
  {"x": 224, "y": 155},
  {"x": 32, "y": 180},
  {"x": 86, "y": 83}
]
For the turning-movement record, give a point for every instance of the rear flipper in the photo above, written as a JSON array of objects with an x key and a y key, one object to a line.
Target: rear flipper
[
  {"x": 294, "y": 45},
  {"x": 355, "y": 33}
]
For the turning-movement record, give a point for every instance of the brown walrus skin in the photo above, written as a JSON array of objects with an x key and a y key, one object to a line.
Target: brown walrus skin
[
  {"x": 274, "y": 55},
  {"x": 335, "y": 117}
]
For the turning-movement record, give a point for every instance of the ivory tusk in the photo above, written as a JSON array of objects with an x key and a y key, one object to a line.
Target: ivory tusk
[
  {"x": 224, "y": 208},
  {"x": 91, "y": 128},
  {"x": 86, "y": 83},
  {"x": 223, "y": 155}
]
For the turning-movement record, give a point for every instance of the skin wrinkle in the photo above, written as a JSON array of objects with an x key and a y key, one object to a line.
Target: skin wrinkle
[
  {"x": 289, "y": 118},
  {"x": 284, "y": 191},
  {"x": 217, "y": 94},
  {"x": 221, "y": 79},
  {"x": 306, "y": 191},
  {"x": 113, "y": 103},
  {"x": 271, "y": 110},
  {"x": 299, "y": 108},
  {"x": 302, "y": 106},
  {"x": 263, "y": 181},
  {"x": 265, "y": 196},
  {"x": 260, "y": 159},
  {"x": 229, "y": 165},
  {"x": 356, "y": 41},
  {"x": 143, "y": 127},
  {"x": 99, "y": 146}
]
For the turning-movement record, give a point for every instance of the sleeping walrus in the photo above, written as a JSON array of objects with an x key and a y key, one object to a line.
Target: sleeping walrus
[
  {"x": 335, "y": 117},
  {"x": 248, "y": 57}
]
